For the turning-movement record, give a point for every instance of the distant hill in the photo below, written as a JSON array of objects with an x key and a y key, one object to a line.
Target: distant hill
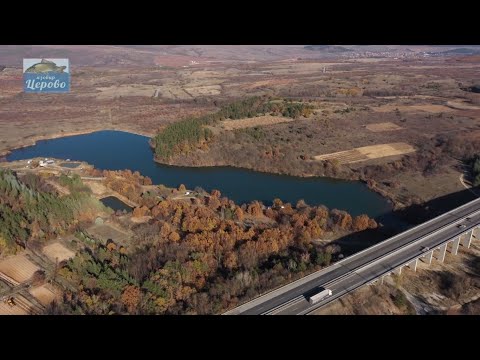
[
  {"x": 463, "y": 51},
  {"x": 331, "y": 49},
  {"x": 150, "y": 55},
  {"x": 183, "y": 55}
]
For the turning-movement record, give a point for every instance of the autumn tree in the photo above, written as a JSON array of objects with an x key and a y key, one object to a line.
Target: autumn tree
[
  {"x": 174, "y": 236},
  {"x": 238, "y": 213},
  {"x": 213, "y": 202},
  {"x": 131, "y": 296},
  {"x": 301, "y": 204},
  {"x": 111, "y": 246},
  {"x": 140, "y": 211},
  {"x": 372, "y": 224},
  {"x": 255, "y": 209},
  {"x": 147, "y": 181},
  {"x": 360, "y": 223},
  {"x": 216, "y": 193},
  {"x": 277, "y": 203},
  {"x": 230, "y": 261},
  {"x": 346, "y": 221}
]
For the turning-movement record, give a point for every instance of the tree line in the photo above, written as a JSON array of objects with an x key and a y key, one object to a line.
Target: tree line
[{"x": 30, "y": 209}]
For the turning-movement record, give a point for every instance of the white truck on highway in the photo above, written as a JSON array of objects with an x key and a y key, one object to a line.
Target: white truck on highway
[{"x": 320, "y": 296}]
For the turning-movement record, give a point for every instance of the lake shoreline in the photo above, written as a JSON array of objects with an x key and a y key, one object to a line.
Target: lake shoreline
[
  {"x": 297, "y": 186},
  {"x": 390, "y": 198},
  {"x": 35, "y": 139}
]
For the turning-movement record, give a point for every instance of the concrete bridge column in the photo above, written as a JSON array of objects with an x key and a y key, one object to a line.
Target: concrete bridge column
[
  {"x": 455, "y": 245},
  {"x": 413, "y": 265},
  {"x": 443, "y": 251},
  {"x": 381, "y": 280},
  {"x": 467, "y": 239},
  {"x": 429, "y": 257},
  {"x": 398, "y": 270}
]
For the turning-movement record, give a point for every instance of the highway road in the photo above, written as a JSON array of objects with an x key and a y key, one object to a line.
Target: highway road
[{"x": 361, "y": 268}]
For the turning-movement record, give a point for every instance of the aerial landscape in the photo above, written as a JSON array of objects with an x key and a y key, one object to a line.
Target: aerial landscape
[{"x": 240, "y": 179}]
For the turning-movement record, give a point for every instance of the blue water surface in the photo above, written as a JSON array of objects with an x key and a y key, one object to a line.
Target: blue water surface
[{"x": 116, "y": 150}]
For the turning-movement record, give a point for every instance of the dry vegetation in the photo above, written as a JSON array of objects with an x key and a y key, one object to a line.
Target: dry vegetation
[
  {"x": 105, "y": 232},
  {"x": 367, "y": 153},
  {"x": 45, "y": 294},
  {"x": 387, "y": 126},
  {"x": 428, "y": 108},
  {"x": 56, "y": 252},
  {"x": 253, "y": 122}
]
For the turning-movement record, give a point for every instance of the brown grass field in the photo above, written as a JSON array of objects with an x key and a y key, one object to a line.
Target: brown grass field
[
  {"x": 386, "y": 126},
  {"x": 105, "y": 232},
  {"x": 460, "y": 105},
  {"x": 367, "y": 153},
  {"x": 257, "y": 121},
  {"x": 17, "y": 268},
  {"x": 429, "y": 108},
  {"x": 45, "y": 294},
  {"x": 57, "y": 252},
  {"x": 6, "y": 309}
]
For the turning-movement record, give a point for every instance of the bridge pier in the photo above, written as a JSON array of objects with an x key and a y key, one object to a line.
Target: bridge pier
[
  {"x": 455, "y": 245},
  {"x": 475, "y": 234},
  {"x": 467, "y": 240},
  {"x": 398, "y": 270},
  {"x": 413, "y": 265},
  {"x": 443, "y": 251},
  {"x": 429, "y": 257}
]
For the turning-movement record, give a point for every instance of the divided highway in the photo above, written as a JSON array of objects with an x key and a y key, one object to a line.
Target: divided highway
[{"x": 365, "y": 266}]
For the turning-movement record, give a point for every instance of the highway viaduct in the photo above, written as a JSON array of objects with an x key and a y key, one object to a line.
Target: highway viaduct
[{"x": 420, "y": 243}]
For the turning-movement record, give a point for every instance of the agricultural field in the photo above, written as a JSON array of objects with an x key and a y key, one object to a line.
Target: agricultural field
[
  {"x": 17, "y": 269},
  {"x": 253, "y": 122},
  {"x": 387, "y": 126},
  {"x": 367, "y": 153},
  {"x": 428, "y": 108},
  {"x": 45, "y": 293},
  {"x": 6, "y": 309},
  {"x": 105, "y": 232},
  {"x": 56, "y": 252}
]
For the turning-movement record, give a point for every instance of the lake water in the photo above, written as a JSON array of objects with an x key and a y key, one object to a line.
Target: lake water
[
  {"x": 116, "y": 150},
  {"x": 115, "y": 204}
]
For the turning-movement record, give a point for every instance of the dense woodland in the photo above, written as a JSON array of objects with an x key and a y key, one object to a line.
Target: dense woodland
[
  {"x": 202, "y": 256},
  {"x": 191, "y": 133},
  {"x": 30, "y": 209}
]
